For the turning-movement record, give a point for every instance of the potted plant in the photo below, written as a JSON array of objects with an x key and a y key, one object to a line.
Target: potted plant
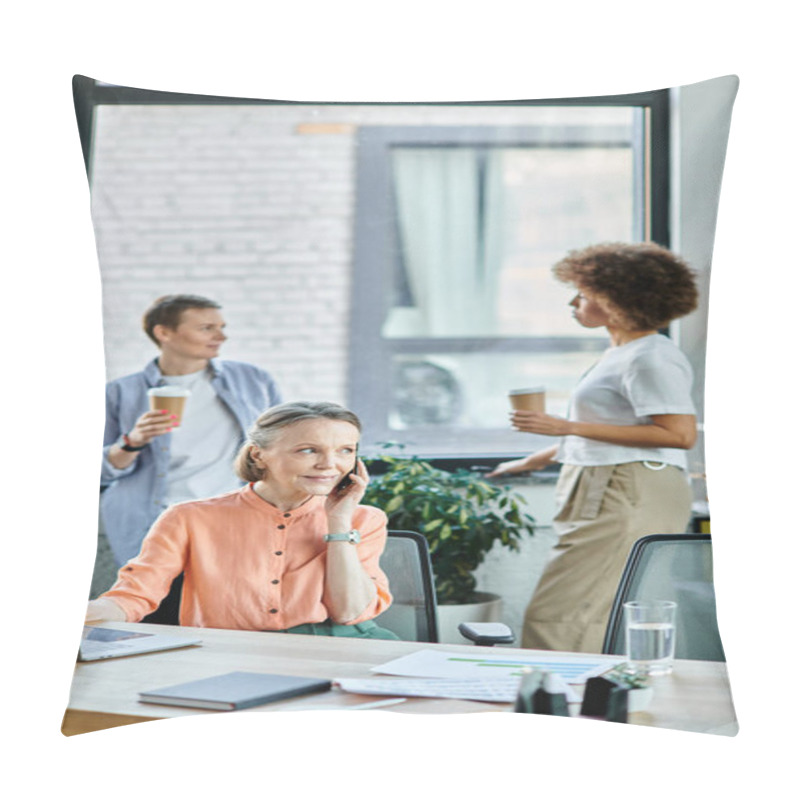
[
  {"x": 460, "y": 514},
  {"x": 640, "y": 693}
]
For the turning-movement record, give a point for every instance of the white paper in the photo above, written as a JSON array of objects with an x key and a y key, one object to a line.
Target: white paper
[
  {"x": 493, "y": 690},
  {"x": 454, "y": 665},
  {"x": 503, "y": 690}
]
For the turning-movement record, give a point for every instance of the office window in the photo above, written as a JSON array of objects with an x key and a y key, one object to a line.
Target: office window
[{"x": 456, "y": 231}]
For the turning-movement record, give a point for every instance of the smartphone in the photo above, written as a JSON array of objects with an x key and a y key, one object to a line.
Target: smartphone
[{"x": 345, "y": 482}]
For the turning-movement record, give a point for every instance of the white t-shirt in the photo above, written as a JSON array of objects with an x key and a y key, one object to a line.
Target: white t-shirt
[
  {"x": 204, "y": 444},
  {"x": 649, "y": 375}
]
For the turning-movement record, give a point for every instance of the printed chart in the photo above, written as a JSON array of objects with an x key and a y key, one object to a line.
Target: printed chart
[{"x": 455, "y": 665}]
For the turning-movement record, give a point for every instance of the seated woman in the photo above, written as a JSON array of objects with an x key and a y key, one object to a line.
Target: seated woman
[{"x": 292, "y": 551}]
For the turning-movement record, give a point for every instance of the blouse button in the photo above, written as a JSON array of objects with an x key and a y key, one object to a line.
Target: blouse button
[
  {"x": 281, "y": 527},
  {"x": 275, "y": 581},
  {"x": 273, "y": 611},
  {"x": 279, "y": 552}
]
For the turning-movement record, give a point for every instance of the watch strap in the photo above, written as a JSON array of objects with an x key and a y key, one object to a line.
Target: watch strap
[
  {"x": 354, "y": 537},
  {"x": 128, "y": 447}
]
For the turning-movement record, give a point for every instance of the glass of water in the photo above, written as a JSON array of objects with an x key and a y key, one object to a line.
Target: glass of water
[{"x": 650, "y": 635}]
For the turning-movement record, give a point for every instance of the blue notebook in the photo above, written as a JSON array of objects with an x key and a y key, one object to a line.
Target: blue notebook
[{"x": 234, "y": 690}]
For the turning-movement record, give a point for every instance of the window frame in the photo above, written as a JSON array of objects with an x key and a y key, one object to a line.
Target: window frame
[
  {"x": 89, "y": 93},
  {"x": 375, "y": 233}
]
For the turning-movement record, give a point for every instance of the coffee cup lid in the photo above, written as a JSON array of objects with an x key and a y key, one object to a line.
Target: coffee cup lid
[{"x": 534, "y": 390}]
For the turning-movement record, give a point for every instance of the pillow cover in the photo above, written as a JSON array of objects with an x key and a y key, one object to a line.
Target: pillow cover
[{"x": 381, "y": 256}]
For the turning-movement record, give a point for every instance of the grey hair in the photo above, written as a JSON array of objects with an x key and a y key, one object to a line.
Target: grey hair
[{"x": 265, "y": 429}]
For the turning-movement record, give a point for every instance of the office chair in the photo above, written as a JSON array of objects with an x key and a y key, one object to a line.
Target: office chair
[
  {"x": 412, "y": 616},
  {"x": 407, "y": 564},
  {"x": 168, "y": 611},
  {"x": 671, "y": 567}
]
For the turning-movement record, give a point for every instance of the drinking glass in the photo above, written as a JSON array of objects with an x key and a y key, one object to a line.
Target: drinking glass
[{"x": 650, "y": 635}]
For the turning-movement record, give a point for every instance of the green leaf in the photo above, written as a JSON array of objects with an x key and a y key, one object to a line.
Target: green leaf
[
  {"x": 393, "y": 504},
  {"x": 461, "y": 515}
]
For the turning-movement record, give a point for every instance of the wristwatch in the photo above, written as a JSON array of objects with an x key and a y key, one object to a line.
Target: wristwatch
[
  {"x": 128, "y": 447},
  {"x": 354, "y": 537}
]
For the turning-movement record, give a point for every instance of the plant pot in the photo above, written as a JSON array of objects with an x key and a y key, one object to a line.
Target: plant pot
[
  {"x": 486, "y": 607},
  {"x": 639, "y": 699}
]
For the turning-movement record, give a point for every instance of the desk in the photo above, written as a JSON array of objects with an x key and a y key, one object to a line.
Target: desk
[{"x": 104, "y": 694}]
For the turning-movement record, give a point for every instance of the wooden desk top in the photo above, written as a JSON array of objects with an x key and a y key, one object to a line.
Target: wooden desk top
[{"x": 104, "y": 694}]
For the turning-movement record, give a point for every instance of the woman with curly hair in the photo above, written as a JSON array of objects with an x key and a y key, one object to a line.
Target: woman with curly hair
[{"x": 623, "y": 444}]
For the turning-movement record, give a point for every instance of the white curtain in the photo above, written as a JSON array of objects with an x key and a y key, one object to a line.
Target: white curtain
[{"x": 449, "y": 206}]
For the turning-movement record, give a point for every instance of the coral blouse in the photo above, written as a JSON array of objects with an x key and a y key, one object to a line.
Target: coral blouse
[{"x": 247, "y": 565}]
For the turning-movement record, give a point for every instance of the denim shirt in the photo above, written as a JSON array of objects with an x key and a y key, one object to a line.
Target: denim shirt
[{"x": 133, "y": 497}]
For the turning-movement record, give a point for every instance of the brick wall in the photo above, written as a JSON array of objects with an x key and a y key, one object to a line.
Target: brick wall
[{"x": 250, "y": 205}]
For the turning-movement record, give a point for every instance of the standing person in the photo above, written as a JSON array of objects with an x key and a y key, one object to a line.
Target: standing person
[
  {"x": 623, "y": 445},
  {"x": 149, "y": 462},
  {"x": 292, "y": 551}
]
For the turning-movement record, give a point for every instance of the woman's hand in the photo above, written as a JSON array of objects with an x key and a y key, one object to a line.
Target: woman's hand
[
  {"x": 348, "y": 588},
  {"x": 538, "y": 422},
  {"x": 151, "y": 425},
  {"x": 341, "y": 503},
  {"x": 531, "y": 463},
  {"x": 104, "y": 609}
]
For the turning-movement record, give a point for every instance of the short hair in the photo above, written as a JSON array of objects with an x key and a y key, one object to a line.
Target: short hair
[
  {"x": 265, "y": 428},
  {"x": 647, "y": 285},
  {"x": 167, "y": 311}
]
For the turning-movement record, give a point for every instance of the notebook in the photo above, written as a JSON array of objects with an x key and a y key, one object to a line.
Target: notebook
[
  {"x": 234, "y": 690},
  {"x": 98, "y": 643}
]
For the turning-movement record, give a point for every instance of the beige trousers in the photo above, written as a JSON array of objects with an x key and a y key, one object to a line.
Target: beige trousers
[{"x": 602, "y": 512}]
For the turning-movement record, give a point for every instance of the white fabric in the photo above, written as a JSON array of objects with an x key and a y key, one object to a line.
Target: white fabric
[
  {"x": 203, "y": 445},
  {"x": 452, "y": 248},
  {"x": 630, "y": 383}
]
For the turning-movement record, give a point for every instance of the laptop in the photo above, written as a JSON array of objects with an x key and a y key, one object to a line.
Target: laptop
[{"x": 99, "y": 643}]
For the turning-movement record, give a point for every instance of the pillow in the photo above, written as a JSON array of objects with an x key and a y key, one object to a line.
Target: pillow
[{"x": 379, "y": 256}]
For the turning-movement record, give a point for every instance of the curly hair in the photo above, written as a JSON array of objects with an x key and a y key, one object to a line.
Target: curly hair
[
  {"x": 264, "y": 429},
  {"x": 646, "y": 285}
]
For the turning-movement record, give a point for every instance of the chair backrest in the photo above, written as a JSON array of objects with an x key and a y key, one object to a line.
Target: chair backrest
[
  {"x": 671, "y": 567},
  {"x": 169, "y": 611},
  {"x": 407, "y": 564}
]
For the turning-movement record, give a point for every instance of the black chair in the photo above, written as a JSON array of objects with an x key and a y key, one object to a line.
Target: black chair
[
  {"x": 412, "y": 616},
  {"x": 407, "y": 564},
  {"x": 671, "y": 567},
  {"x": 168, "y": 611}
]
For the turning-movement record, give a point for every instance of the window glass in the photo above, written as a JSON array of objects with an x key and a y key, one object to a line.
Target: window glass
[
  {"x": 479, "y": 230},
  {"x": 461, "y": 399},
  {"x": 554, "y": 199},
  {"x": 467, "y": 224}
]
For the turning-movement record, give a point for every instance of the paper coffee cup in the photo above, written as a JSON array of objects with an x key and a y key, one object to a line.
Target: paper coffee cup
[
  {"x": 531, "y": 399},
  {"x": 171, "y": 399}
]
